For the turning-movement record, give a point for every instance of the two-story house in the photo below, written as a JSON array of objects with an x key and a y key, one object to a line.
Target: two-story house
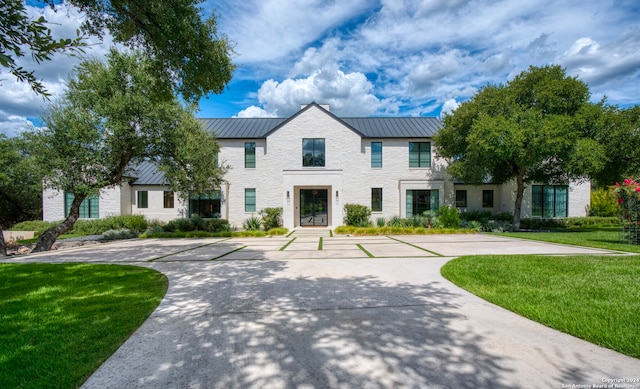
[{"x": 313, "y": 163}]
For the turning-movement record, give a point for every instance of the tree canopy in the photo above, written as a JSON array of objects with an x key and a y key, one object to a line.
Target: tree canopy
[
  {"x": 111, "y": 117},
  {"x": 530, "y": 129},
  {"x": 187, "y": 53}
]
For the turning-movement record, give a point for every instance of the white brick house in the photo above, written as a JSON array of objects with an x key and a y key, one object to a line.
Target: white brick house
[{"x": 313, "y": 163}]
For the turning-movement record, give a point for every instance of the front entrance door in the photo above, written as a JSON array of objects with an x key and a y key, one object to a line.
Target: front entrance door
[{"x": 314, "y": 209}]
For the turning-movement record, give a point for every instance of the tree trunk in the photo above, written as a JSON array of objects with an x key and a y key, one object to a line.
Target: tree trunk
[
  {"x": 48, "y": 238},
  {"x": 3, "y": 245},
  {"x": 519, "y": 195}
]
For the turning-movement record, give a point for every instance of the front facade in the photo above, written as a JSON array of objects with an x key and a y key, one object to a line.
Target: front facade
[{"x": 313, "y": 163}]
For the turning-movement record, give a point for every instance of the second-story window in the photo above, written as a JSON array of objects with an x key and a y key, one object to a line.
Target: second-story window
[
  {"x": 419, "y": 154},
  {"x": 313, "y": 152},
  {"x": 376, "y": 154},
  {"x": 249, "y": 155}
]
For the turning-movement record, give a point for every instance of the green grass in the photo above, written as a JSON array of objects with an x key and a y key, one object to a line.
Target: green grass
[
  {"x": 60, "y": 322},
  {"x": 604, "y": 238},
  {"x": 595, "y": 298}
]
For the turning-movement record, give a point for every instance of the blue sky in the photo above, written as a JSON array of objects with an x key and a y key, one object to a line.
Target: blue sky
[{"x": 385, "y": 58}]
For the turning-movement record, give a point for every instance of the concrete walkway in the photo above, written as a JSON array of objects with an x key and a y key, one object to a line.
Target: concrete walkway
[{"x": 305, "y": 312}]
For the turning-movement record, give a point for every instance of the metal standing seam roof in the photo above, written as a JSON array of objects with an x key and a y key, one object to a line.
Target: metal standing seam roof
[
  {"x": 146, "y": 173},
  {"x": 370, "y": 127}
]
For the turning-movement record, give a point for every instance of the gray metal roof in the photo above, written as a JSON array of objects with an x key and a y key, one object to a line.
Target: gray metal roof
[
  {"x": 370, "y": 127},
  {"x": 146, "y": 173}
]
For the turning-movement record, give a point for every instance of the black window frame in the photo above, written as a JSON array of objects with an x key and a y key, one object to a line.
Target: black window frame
[
  {"x": 376, "y": 200},
  {"x": 461, "y": 201},
  {"x": 317, "y": 157},
  {"x": 487, "y": 198}
]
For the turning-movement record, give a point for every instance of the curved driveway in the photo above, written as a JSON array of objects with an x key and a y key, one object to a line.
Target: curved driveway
[{"x": 337, "y": 313}]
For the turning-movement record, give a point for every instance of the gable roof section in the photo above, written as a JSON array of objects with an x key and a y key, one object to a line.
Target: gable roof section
[{"x": 366, "y": 127}]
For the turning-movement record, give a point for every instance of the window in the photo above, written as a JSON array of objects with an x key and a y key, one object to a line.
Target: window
[
  {"x": 419, "y": 201},
  {"x": 549, "y": 200},
  {"x": 313, "y": 152},
  {"x": 461, "y": 199},
  {"x": 419, "y": 154},
  {"x": 89, "y": 208},
  {"x": 250, "y": 200},
  {"x": 376, "y": 199},
  {"x": 250, "y": 155},
  {"x": 206, "y": 206},
  {"x": 376, "y": 154},
  {"x": 143, "y": 199},
  {"x": 487, "y": 199},
  {"x": 168, "y": 199}
]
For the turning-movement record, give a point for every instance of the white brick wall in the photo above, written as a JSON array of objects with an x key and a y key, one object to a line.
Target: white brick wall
[{"x": 155, "y": 202}]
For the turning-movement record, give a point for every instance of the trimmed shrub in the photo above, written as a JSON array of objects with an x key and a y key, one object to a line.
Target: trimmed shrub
[
  {"x": 182, "y": 225},
  {"x": 603, "y": 203},
  {"x": 271, "y": 218},
  {"x": 448, "y": 216},
  {"x": 357, "y": 215},
  {"x": 216, "y": 225},
  {"x": 124, "y": 233},
  {"x": 197, "y": 221}
]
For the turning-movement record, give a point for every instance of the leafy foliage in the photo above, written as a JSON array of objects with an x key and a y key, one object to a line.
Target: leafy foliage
[
  {"x": 528, "y": 130},
  {"x": 188, "y": 54},
  {"x": 448, "y": 216},
  {"x": 356, "y": 215},
  {"x": 20, "y": 183},
  {"x": 19, "y": 35},
  {"x": 603, "y": 203},
  {"x": 252, "y": 224},
  {"x": 271, "y": 218}
]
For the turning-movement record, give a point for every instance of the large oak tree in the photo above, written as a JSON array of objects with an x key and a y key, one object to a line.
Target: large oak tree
[
  {"x": 114, "y": 115},
  {"x": 527, "y": 130}
]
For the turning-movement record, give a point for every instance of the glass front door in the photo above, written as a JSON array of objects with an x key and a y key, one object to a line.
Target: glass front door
[{"x": 314, "y": 207}]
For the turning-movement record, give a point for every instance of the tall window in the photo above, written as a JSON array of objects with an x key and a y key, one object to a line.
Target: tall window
[
  {"x": 461, "y": 199},
  {"x": 419, "y": 154},
  {"x": 419, "y": 201},
  {"x": 250, "y": 200},
  {"x": 549, "y": 200},
  {"x": 143, "y": 199},
  {"x": 250, "y": 155},
  {"x": 168, "y": 199},
  {"x": 313, "y": 152},
  {"x": 376, "y": 199},
  {"x": 487, "y": 199},
  {"x": 206, "y": 206},
  {"x": 376, "y": 154},
  {"x": 89, "y": 208}
]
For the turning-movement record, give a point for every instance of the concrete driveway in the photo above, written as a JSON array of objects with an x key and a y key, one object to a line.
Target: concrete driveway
[{"x": 337, "y": 312}]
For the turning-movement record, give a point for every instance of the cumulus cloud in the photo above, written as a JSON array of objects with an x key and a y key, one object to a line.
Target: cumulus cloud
[
  {"x": 448, "y": 107},
  {"x": 255, "y": 112}
]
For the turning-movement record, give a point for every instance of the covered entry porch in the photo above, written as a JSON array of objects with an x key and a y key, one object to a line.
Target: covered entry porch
[{"x": 312, "y": 198}]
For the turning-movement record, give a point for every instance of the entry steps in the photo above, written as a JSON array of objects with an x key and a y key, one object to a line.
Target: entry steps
[{"x": 311, "y": 232}]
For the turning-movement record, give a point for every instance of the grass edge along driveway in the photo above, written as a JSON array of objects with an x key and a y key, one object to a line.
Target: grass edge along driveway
[
  {"x": 595, "y": 298},
  {"x": 60, "y": 322}
]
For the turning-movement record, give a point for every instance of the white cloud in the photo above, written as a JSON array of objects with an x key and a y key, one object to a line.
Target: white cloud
[
  {"x": 265, "y": 30},
  {"x": 449, "y": 106},
  {"x": 348, "y": 94},
  {"x": 255, "y": 112}
]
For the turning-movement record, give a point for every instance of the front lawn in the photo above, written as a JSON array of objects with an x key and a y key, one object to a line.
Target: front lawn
[
  {"x": 596, "y": 298},
  {"x": 60, "y": 322},
  {"x": 604, "y": 238}
]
